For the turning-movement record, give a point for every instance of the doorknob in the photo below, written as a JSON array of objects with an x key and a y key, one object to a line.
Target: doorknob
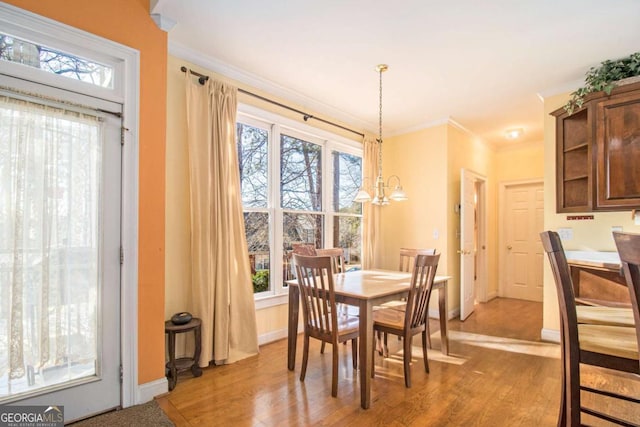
[{"x": 509, "y": 247}]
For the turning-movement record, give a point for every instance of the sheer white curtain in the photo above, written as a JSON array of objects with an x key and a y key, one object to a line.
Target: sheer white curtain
[
  {"x": 49, "y": 238},
  {"x": 221, "y": 274},
  {"x": 370, "y": 212}
]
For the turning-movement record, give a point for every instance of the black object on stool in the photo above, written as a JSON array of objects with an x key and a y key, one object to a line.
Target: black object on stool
[{"x": 175, "y": 366}]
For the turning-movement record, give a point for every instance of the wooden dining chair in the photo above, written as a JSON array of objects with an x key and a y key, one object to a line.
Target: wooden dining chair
[
  {"x": 321, "y": 319},
  {"x": 407, "y": 260},
  {"x": 612, "y": 347},
  {"x": 303, "y": 248},
  {"x": 337, "y": 258},
  {"x": 414, "y": 319}
]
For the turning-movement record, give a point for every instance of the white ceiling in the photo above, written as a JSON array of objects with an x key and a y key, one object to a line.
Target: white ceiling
[{"x": 483, "y": 64}]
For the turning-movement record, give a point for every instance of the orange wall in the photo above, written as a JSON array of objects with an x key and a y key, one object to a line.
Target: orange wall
[{"x": 128, "y": 22}]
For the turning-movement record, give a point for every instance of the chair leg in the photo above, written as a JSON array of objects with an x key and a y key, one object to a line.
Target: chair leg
[
  {"x": 334, "y": 371},
  {"x": 305, "y": 357},
  {"x": 385, "y": 347},
  {"x": 425, "y": 340},
  {"x": 322, "y": 347},
  {"x": 376, "y": 338},
  {"x": 428, "y": 333},
  {"x": 406, "y": 356},
  {"x": 354, "y": 352}
]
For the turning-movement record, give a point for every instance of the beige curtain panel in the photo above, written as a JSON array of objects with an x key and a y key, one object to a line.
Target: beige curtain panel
[
  {"x": 221, "y": 276},
  {"x": 370, "y": 212}
]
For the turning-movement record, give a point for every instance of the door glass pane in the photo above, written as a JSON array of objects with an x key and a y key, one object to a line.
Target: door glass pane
[
  {"x": 300, "y": 174},
  {"x": 49, "y": 246},
  {"x": 347, "y": 234},
  {"x": 257, "y": 232},
  {"x": 347, "y": 178},
  {"x": 13, "y": 49},
  {"x": 253, "y": 157}
]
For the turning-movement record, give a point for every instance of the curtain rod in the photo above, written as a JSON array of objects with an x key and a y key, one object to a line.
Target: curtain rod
[{"x": 306, "y": 116}]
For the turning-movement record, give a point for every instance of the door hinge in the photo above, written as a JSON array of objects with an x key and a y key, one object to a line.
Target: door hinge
[
  {"x": 121, "y": 255},
  {"x": 122, "y": 131},
  {"x": 121, "y": 374}
]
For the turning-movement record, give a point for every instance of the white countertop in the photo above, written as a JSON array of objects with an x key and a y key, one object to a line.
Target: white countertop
[{"x": 610, "y": 260}]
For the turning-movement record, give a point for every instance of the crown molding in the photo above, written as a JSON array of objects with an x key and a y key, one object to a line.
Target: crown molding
[
  {"x": 421, "y": 126},
  {"x": 219, "y": 67}
]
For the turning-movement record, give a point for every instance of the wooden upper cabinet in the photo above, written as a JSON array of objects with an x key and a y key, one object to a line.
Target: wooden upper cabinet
[
  {"x": 618, "y": 151},
  {"x": 574, "y": 166},
  {"x": 598, "y": 153}
]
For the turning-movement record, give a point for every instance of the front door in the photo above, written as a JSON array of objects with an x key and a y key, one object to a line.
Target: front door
[{"x": 60, "y": 171}]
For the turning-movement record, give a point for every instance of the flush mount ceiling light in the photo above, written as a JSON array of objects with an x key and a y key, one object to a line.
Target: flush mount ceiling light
[
  {"x": 380, "y": 187},
  {"x": 513, "y": 133}
]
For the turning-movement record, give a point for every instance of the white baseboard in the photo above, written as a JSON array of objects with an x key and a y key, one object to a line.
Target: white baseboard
[
  {"x": 272, "y": 336},
  {"x": 551, "y": 335},
  {"x": 492, "y": 295},
  {"x": 276, "y": 335},
  {"x": 146, "y": 392}
]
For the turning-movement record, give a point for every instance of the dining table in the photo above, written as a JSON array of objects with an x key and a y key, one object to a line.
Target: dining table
[{"x": 366, "y": 289}]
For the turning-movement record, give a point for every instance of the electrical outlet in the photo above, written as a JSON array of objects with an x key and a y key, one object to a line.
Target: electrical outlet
[
  {"x": 565, "y": 233},
  {"x": 436, "y": 234}
]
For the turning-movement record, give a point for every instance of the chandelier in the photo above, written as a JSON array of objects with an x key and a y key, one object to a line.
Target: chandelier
[{"x": 380, "y": 187}]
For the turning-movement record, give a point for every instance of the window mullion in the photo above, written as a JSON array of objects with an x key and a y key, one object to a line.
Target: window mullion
[
  {"x": 327, "y": 199},
  {"x": 276, "y": 209}
]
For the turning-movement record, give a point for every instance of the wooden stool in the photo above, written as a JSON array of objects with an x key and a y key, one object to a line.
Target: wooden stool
[{"x": 175, "y": 366}]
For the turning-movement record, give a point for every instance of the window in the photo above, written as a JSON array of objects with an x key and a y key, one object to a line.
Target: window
[
  {"x": 253, "y": 159},
  {"x": 298, "y": 184},
  {"x": 13, "y": 49},
  {"x": 347, "y": 220}
]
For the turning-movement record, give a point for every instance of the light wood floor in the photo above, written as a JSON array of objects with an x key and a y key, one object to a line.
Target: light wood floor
[{"x": 498, "y": 374}]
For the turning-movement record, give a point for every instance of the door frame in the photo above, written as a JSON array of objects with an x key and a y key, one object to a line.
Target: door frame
[
  {"x": 128, "y": 94},
  {"x": 480, "y": 282},
  {"x": 502, "y": 214}
]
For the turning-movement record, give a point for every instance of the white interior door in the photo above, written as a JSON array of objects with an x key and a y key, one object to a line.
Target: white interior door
[
  {"x": 60, "y": 168},
  {"x": 523, "y": 222},
  {"x": 468, "y": 215}
]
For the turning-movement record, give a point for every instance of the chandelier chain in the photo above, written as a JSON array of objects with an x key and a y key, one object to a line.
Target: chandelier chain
[{"x": 381, "y": 69}]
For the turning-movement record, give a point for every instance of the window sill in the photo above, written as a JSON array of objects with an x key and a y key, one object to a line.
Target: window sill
[{"x": 271, "y": 300}]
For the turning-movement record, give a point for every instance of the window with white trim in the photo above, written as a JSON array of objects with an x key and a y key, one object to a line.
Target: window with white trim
[{"x": 298, "y": 185}]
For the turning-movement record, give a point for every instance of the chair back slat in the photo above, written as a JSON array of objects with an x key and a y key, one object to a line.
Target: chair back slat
[
  {"x": 628, "y": 245},
  {"x": 408, "y": 256},
  {"x": 337, "y": 258},
  {"x": 315, "y": 280},
  {"x": 424, "y": 272}
]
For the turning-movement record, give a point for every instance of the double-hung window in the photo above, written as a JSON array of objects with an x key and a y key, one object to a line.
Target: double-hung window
[{"x": 298, "y": 185}]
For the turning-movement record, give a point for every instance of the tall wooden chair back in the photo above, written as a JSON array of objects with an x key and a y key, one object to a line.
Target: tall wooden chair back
[
  {"x": 612, "y": 347},
  {"x": 321, "y": 320},
  {"x": 424, "y": 272},
  {"x": 337, "y": 258},
  {"x": 408, "y": 256},
  {"x": 628, "y": 245}
]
